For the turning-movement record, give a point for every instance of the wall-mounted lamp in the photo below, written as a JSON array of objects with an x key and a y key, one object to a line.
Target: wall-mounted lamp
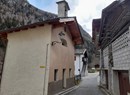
[
  {"x": 63, "y": 41},
  {"x": 55, "y": 42}
]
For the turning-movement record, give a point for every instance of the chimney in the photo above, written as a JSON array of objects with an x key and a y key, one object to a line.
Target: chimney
[{"x": 63, "y": 8}]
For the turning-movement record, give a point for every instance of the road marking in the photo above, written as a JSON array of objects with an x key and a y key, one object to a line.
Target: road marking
[{"x": 67, "y": 90}]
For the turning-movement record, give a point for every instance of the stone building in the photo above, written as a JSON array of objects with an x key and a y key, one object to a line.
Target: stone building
[
  {"x": 95, "y": 39},
  {"x": 114, "y": 42}
]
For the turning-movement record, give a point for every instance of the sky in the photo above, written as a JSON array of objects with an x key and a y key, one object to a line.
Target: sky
[{"x": 84, "y": 10}]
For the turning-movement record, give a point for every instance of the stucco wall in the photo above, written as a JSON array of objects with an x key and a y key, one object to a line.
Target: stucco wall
[
  {"x": 62, "y": 56},
  {"x": 26, "y": 53}
]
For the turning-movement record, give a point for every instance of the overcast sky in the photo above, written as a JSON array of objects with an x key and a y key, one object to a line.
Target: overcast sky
[{"x": 84, "y": 10}]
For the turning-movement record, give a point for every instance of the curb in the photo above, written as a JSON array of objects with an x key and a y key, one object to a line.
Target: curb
[{"x": 67, "y": 90}]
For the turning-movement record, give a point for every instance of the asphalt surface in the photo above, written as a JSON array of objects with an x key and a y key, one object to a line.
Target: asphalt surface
[{"x": 88, "y": 86}]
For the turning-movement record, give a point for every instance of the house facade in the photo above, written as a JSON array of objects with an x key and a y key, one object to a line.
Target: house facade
[
  {"x": 95, "y": 39},
  {"x": 115, "y": 48},
  {"x": 34, "y": 63},
  {"x": 25, "y": 55},
  {"x": 62, "y": 60},
  {"x": 39, "y": 57}
]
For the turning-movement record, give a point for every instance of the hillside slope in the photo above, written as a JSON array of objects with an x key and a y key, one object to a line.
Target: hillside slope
[
  {"x": 87, "y": 44},
  {"x": 15, "y": 13}
]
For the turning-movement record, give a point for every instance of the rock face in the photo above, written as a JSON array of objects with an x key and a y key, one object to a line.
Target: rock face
[{"x": 16, "y": 13}]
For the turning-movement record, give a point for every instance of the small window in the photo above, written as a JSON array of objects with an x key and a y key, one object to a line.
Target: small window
[
  {"x": 65, "y": 28},
  {"x": 55, "y": 74},
  {"x": 64, "y": 42},
  {"x": 70, "y": 71},
  {"x": 75, "y": 57}
]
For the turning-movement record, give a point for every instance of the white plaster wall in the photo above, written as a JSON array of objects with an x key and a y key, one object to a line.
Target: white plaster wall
[
  {"x": 78, "y": 64},
  {"x": 121, "y": 51},
  {"x": 26, "y": 53}
]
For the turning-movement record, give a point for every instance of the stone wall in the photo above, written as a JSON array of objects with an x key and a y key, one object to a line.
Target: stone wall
[
  {"x": 121, "y": 53},
  {"x": 57, "y": 86},
  {"x": 105, "y": 56}
]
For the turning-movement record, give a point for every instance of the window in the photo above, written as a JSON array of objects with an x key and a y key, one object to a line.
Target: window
[
  {"x": 70, "y": 70},
  {"x": 65, "y": 28},
  {"x": 64, "y": 42},
  {"x": 55, "y": 74},
  {"x": 75, "y": 57}
]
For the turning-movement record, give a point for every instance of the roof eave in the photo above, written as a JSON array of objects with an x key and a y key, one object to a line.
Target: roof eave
[{"x": 64, "y": 20}]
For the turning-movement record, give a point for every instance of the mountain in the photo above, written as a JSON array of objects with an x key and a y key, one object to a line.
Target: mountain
[
  {"x": 15, "y": 13},
  {"x": 85, "y": 35},
  {"x": 87, "y": 44}
]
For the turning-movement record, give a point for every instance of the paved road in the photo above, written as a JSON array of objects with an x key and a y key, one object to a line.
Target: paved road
[{"x": 88, "y": 86}]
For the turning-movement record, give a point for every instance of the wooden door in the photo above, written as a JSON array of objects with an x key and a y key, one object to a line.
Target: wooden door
[{"x": 124, "y": 82}]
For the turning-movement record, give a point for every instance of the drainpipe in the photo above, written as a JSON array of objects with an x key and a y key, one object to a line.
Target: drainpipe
[{"x": 45, "y": 86}]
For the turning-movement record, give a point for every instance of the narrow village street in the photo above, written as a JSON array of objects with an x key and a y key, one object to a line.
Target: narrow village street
[
  {"x": 88, "y": 86},
  {"x": 47, "y": 46}
]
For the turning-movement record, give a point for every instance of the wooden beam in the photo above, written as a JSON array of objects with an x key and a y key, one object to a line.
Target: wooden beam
[{"x": 58, "y": 25}]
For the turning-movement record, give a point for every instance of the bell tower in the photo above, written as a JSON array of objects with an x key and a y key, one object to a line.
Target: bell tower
[{"x": 63, "y": 8}]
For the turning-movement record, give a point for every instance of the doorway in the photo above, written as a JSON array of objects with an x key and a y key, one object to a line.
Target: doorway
[
  {"x": 124, "y": 84},
  {"x": 64, "y": 78}
]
